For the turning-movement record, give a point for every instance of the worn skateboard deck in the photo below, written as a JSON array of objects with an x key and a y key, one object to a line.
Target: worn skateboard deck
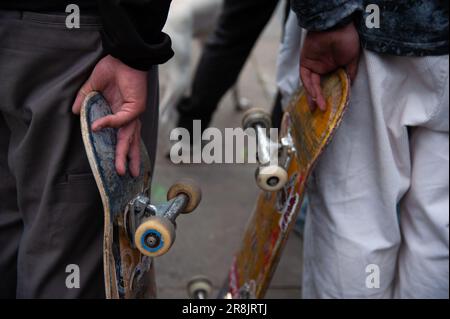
[
  {"x": 276, "y": 212},
  {"x": 128, "y": 274}
]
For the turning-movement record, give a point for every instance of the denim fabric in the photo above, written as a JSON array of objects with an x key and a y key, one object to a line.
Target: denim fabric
[{"x": 407, "y": 27}]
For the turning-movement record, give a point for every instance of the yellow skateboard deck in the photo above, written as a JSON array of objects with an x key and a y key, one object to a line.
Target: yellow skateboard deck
[{"x": 276, "y": 212}]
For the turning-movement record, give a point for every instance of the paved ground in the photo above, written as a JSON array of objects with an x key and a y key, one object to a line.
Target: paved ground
[{"x": 207, "y": 239}]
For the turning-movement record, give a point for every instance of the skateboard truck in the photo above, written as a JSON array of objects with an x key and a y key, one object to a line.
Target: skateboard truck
[
  {"x": 151, "y": 228},
  {"x": 269, "y": 177}
]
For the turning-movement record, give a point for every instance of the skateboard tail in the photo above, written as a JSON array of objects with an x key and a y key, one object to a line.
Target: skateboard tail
[{"x": 110, "y": 289}]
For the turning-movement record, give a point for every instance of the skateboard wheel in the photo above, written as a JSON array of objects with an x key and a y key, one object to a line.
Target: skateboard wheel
[
  {"x": 199, "y": 285},
  {"x": 271, "y": 178},
  {"x": 155, "y": 236},
  {"x": 188, "y": 188},
  {"x": 256, "y": 116}
]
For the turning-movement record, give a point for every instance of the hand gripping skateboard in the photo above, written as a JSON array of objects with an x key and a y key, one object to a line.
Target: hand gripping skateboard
[
  {"x": 135, "y": 231},
  {"x": 303, "y": 137}
]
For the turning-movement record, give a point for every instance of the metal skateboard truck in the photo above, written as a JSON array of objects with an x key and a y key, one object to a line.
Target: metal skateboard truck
[
  {"x": 151, "y": 228},
  {"x": 270, "y": 176}
]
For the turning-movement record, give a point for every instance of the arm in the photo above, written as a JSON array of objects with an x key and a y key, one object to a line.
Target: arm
[
  {"x": 133, "y": 40},
  {"x": 133, "y": 33}
]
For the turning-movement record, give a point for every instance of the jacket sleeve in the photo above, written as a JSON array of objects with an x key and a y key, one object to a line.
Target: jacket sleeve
[
  {"x": 132, "y": 31},
  {"x": 320, "y": 15}
]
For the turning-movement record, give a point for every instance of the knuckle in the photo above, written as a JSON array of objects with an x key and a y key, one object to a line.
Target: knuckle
[{"x": 140, "y": 108}]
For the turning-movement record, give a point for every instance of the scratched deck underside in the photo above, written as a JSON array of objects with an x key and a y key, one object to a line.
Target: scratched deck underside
[
  {"x": 127, "y": 273},
  {"x": 275, "y": 213}
]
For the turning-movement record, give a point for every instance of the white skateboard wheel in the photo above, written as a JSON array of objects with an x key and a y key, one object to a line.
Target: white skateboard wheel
[
  {"x": 256, "y": 116},
  {"x": 271, "y": 178},
  {"x": 188, "y": 188},
  {"x": 199, "y": 285},
  {"x": 155, "y": 236}
]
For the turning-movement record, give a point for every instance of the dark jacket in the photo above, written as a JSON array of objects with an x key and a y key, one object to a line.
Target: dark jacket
[
  {"x": 131, "y": 28},
  {"x": 407, "y": 27}
]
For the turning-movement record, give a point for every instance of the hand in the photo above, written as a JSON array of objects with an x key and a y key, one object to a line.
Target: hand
[
  {"x": 324, "y": 52},
  {"x": 125, "y": 89}
]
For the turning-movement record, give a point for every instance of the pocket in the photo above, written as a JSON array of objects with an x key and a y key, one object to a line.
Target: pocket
[
  {"x": 72, "y": 178},
  {"x": 77, "y": 188},
  {"x": 74, "y": 212},
  {"x": 438, "y": 119},
  {"x": 80, "y": 178},
  {"x": 41, "y": 35}
]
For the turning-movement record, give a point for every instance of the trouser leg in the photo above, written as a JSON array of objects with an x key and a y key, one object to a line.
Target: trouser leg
[
  {"x": 43, "y": 64},
  {"x": 424, "y": 254},
  {"x": 10, "y": 220},
  {"x": 224, "y": 55},
  {"x": 277, "y": 111}
]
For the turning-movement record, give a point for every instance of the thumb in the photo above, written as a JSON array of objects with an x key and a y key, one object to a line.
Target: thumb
[
  {"x": 81, "y": 95},
  {"x": 76, "y": 107},
  {"x": 352, "y": 69},
  {"x": 94, "y": 83}
]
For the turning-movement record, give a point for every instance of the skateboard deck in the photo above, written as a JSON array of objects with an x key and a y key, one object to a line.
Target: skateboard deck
[
  {"x": 128, "y": 273},
  {"x": 276, "y": 212}
]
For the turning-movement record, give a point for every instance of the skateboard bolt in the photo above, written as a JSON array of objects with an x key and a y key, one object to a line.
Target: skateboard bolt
[
  {"x": 273, "y": 181},
  {"x": 152, "y": 240}
]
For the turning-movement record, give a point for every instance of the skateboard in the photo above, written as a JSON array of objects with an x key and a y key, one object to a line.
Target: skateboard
[
  {"x": 135, "y": 230},
  {"x": 302, "y": 138}
]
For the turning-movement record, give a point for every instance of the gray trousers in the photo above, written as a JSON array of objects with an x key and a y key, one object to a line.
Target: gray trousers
[{"x": 51, "y": 214}]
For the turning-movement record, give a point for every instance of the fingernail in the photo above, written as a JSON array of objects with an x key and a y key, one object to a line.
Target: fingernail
[{"x": 311, "y": 103}]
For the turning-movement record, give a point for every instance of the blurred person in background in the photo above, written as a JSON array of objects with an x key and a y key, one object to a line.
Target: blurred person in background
[{"x": 240, "y": 24}]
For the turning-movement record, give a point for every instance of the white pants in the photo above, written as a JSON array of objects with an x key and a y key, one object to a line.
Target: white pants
[{"x": 390, "y": 155}]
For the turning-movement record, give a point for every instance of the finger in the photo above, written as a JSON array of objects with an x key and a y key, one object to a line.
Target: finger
[
  {"x": 316, "y": 83},
  {"x": 124, "y": 139},
  {"x": 352, "y": 69},
  {"x": 81, "y": 95},
  {"x": 305, "y": 75},
  {"x": 135, "y": 153},
  {"x": 96, "y": 82},
  {"x": 117, "y": 120},
  {"x": 311, "y": 103}
]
